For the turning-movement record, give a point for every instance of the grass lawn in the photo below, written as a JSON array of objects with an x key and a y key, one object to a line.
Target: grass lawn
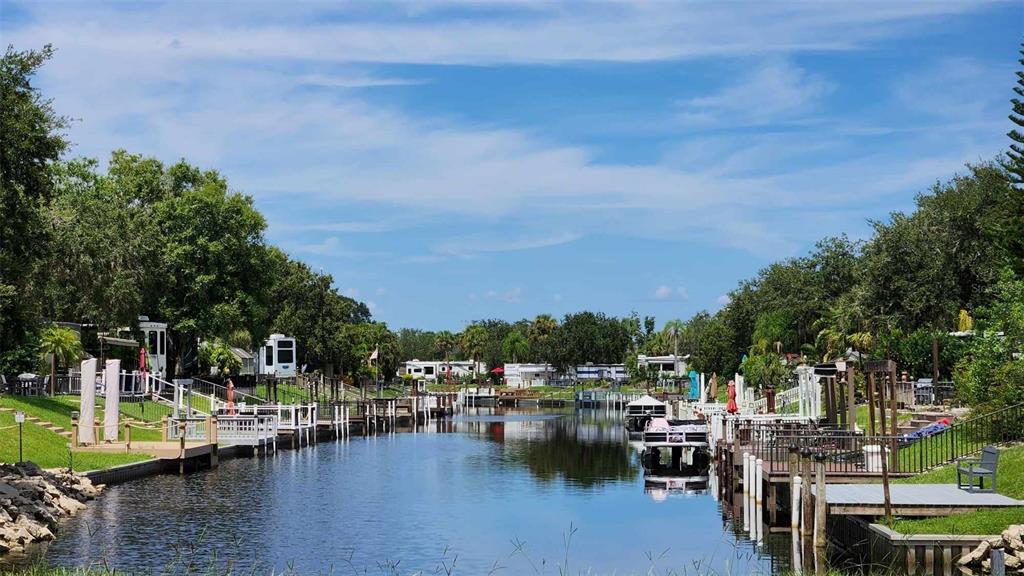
[
  {"x": 49, "y": 450},
  {"x": 1011, "y": 483},
  {"x": 58, "y": 409}
]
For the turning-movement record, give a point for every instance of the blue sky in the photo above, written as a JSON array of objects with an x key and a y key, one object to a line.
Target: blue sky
[{"x": 450, "y": 161}]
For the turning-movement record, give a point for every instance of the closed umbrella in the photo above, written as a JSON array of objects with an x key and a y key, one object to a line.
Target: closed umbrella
[
  {"x": 731, "y": 406},
  {"x": 714, "y": 386}
]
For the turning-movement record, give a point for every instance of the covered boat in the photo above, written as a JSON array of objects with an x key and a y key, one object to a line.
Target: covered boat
[{"x": 639, "y": 412}]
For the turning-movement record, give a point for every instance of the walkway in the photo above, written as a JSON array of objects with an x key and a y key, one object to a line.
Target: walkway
[{"x": 910, "y": 499}]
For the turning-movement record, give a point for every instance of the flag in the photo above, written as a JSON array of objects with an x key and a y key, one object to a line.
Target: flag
[{"x": 373, "y": 356}]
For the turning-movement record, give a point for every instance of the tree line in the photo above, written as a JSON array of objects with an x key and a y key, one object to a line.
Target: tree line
[{"x": 174, "y": 242}]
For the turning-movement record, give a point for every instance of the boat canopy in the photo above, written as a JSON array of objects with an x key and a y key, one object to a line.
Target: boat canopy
[{"x": 646, "y": 400}]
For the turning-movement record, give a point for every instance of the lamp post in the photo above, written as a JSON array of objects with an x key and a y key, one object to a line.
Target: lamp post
[{"x": 19, "y": 417}]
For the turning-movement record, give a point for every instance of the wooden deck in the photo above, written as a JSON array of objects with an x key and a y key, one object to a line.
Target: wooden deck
[
  {"x": 910, "y": 499},
  {"x": 162, "y": 450}
]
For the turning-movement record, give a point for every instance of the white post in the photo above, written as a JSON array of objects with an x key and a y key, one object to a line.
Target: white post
[
  {"x": 795, "y": 506},
  {"x": 758, "y": 498},
  {"x": 746, "y": 490}
]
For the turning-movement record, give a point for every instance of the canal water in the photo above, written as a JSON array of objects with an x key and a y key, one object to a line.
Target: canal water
[{"x": 493, "y": 491}]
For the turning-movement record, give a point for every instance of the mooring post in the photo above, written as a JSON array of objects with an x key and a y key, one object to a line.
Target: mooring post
[
  {"x": 806, "y": 512},
  {"x": 795, "y": 491},
  {"x": 820, "y": 502}
]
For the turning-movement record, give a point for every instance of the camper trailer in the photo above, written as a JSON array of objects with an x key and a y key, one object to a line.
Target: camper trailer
[
  {"x": 277, "y": 358},
  {"x": 154, "y": 335}
]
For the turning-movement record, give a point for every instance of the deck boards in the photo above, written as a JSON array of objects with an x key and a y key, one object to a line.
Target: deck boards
[{"x": 911, "y": 499}]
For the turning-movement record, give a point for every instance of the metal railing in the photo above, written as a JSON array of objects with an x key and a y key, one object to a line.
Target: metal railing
[{"x": 851, "y": 452}]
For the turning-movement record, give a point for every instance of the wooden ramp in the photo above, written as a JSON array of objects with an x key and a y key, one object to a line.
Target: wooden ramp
[{"x": 910, "y": 499}]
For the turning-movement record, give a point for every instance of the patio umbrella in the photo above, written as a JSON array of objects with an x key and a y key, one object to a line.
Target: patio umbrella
[
  {"x": 731, "y": 406},
  {"x": 498, "y": 370},
  {"x": 231, "y": 397},
  {"x": 142, "y": 365}
]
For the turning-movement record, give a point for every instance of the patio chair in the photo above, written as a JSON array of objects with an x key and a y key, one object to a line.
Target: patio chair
[{"x": 978, "y": 468}]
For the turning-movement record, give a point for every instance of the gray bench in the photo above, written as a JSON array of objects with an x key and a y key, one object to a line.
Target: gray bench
[{"x": 978, "y": 468}]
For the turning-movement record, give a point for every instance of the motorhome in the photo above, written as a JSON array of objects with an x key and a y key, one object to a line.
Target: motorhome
[{"x": 277, "y": 357}]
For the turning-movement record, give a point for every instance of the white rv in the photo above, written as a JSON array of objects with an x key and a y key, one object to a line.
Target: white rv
[
  {"x": 278, "y": 357},
  {"x": 154, "y": 334}
]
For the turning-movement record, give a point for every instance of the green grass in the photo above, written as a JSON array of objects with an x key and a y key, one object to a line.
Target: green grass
[
  {"x": 862, "y": 417},
  {"x": 57, "y": 410},
  {"x": 1010, "y": 483},
  {"x": 49, "y": 450}
]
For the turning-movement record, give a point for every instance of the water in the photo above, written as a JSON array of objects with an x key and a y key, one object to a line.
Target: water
[{"x": 494, "y": 491}]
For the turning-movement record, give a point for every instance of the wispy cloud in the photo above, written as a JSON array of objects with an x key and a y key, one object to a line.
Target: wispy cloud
[
  {"x": 512, "y": 295},
  {"x": 771, "y": 91},
  {"x": 666, "y": 293},
  {"x": 468, "y": 246}
]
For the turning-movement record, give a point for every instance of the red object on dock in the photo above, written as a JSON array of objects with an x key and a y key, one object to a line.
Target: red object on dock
[{"x": 731, "y": 406}]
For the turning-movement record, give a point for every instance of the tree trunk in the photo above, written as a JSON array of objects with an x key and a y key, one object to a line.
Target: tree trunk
[
  {"x": 935, "y": 361},
  {"x": 53, "y": 374}
]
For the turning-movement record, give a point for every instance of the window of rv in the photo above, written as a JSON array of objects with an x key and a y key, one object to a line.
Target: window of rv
[
  {"x": 285, "y": 352},
  {"x": 269, "y": 355},
  {"x": 151, "y": 343}
]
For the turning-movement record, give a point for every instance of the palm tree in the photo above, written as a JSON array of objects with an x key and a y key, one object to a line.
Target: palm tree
[
  {"x": 473, "y": 340},
  {"x": 515, "y": 346},
  {"x": 445, "y": 342},
  {"x": 538, "y": 334},
  {"x": 674, "y": 328},
  {"x": 59, "y": 344}
]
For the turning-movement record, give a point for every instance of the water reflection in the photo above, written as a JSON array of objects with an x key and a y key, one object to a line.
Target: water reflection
[
  {"x": 466, "y": 489},
  {"x": 583, "y": 451}
]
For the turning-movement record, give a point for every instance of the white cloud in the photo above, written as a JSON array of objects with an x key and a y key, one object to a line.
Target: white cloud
[
  {"x": 410, "y": 33},
  {"x": 468, "y": 246},
  {"x": 511, "y": 295},
  {"x": 723, "y": 300},
  {"x": 352, "y": 292},
  {"x": 666, "y": 293},
  {"x": 774, "y": 90},
  {"x": 187, "y": 84}
]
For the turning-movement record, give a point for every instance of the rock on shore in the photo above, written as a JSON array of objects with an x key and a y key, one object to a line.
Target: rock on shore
[
  {"x": 33, "y": 501},
  {"x": 1011, "y": 542}
]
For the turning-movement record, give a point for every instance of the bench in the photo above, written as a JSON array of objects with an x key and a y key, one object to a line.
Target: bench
[{"x": 978, "y": 468}]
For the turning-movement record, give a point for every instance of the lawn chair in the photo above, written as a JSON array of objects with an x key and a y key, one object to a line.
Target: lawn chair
[{"x": 980, "y": 468}]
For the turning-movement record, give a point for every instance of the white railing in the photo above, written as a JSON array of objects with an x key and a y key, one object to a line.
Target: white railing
[
  {"x": 289, "y": 416},
  {"x": 246, "y": 430},
  {"x": 195, "y": 429}
]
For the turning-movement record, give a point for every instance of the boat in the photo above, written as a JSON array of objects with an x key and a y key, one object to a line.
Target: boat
[
  {"x": 686, "y": 439},
  {"x": 639, "y": 412}
]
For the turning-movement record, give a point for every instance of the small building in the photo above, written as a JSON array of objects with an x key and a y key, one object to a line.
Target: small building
[
  {"x": 606, "y": 372},
  {"x": 435, "y": 370},
  {"x": 528, "y": 375},
  {"x": 668, "y": 366}
]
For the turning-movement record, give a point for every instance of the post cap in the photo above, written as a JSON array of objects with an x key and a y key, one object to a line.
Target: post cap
[
  {"x": 794, "y": 449},
  {"x": 805, "y": 452},
  {"x": 820, "y": 457}
]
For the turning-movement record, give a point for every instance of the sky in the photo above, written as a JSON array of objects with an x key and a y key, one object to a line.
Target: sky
[{"x": 452, "y": 161}]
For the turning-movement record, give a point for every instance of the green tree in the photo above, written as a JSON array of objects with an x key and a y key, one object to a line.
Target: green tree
[
  {"x": 674, "y": 330},
  {"x": 991, "y": 374},
  {"x": 1015, "y": 163},
  {"x": 473, "y": 342},
  {"x": 59, "y": 345},
  {"x": 33, "y": 140},
  {"x": 217, "y": 354},
  {"x": 515, "y": 347},
  {"x": 539, "y": 334}
]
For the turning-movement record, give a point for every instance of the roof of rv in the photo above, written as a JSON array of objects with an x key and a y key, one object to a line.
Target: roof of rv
[{"x": 646, "y": 400}]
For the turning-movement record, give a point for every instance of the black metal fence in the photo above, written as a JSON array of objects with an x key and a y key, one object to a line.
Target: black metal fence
[{"x": 852, "y": 452}]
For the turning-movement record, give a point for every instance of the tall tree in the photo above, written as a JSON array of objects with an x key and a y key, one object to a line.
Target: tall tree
[
  {"x": 473, "y": 342},
  {"x": 515, "y": 347},
  {"x": 33, "y": 140},
  {"x": 61, "y": 346},
  {"x": 1015, "y": 163},
  {"x": 539, "y": 336}
]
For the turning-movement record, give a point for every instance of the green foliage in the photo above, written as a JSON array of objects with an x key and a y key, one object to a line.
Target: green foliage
[
  {"x": 763, "y": 368},
  {"x": 445, "y": 344},
  {"x": 515, "y": 348},
  {"x": 358, "y": 341},
  {"x": 217, "y": 354},
  {"x": 473, "y": 342},
  {"x": 33, "y": 140},
  {"x": 538, "y": 335},
  {"x": 419, "y": 344},
  {"x": 59, "y": 346},
  {"x": 992, "y": 371},
  {"x": 589, "y": 337}
]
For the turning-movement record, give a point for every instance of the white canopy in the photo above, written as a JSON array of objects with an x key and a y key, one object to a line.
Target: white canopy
[{"x": 646, "y": 400}]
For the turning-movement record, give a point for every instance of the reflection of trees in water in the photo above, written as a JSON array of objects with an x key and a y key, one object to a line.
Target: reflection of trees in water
[{"x": 582, "y": 454}]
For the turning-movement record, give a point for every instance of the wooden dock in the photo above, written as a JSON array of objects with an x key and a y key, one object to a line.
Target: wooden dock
[{"x": 910, "y": 500}]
